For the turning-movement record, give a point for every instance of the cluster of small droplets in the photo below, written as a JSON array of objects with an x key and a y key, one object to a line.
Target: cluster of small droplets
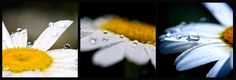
[{"x": 192, "y": 36}]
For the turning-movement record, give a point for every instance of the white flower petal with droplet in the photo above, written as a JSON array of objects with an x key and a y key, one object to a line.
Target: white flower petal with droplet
[
  {"x": 114, "y": 47},
  {"x": 51, "y": 34},
  {"x": 20, "y": 38},
  {"x": 64, "y": 60},
  {"x": 96, "y": 40},
  {"x": 208, "y": 48}
]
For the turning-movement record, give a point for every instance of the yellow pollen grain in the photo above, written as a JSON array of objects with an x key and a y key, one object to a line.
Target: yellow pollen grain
[
  {"x": 227, "y": 35},
  {"x": 25, "y": 59},
  {"x": 143, "y": 32}
]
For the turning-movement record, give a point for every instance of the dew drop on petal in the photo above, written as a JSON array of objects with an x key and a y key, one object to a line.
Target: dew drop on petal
[
  {"x": 105, "y": 32},
  {"x": 104, "y": 40},
  {"x": 121, "y": 36},
  {"x": 93, "y": 41},
  {"x": 177, "y": 29},
  {"x": 29, "y": 43},
  {"x": 193, "y": 37},
  {"x": 18, "y": 29},
  {"x": 66, "y": 46},
  {"x": 178, "y": 37},
  {"x": 51, "y": 24},
  {"x": 168, "y": 34}
]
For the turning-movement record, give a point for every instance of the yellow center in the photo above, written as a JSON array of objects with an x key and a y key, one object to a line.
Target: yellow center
[
  {"x": 25, "y": 59},
  {"x": 142, "y": 32},
  {"x": 227, "y": 35}
]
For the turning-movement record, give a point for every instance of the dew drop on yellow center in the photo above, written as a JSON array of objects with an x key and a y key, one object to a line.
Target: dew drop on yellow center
[
  {"x": 227, "y": 35},
  {"x": 143, "y": 32},
  {"x": 25, "y": 59}
]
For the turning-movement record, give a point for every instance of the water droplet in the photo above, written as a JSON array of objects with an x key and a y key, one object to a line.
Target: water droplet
[
  {"x": 54, "y": 33},
  {"x": 66, "y": 46},
  {"x": 177, "y": 29},
  {"x": 168, "y": 34},
  {"x": 105, "y": 32},
  {"x": 104, "y": 40},
  {"x": 18, "y": 29},
  {"x": 29, "y": 43},
  {"x": 121, "y": 36},
  {"x": 193, "y": 37},
  {"x": 93, "y": 41},
  {"x": 178, "y": 37},
  {"x": 51, "y": 24},
  {"x": 135, "y": 42}
]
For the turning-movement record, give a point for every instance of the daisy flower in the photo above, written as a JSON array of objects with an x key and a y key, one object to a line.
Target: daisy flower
[
  {"x": 202, "y": 43},
  {"x": 20, "y": 59},
  {"x": 118, "y": 38}
]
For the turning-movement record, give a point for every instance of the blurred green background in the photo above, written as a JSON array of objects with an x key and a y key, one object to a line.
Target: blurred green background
[{"x": 36, "y": 16}]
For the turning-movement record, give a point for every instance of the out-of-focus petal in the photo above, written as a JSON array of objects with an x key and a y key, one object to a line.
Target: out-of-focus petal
[{"x": 222, "y": 12}]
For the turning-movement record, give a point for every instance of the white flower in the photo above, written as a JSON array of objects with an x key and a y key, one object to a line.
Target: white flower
[
  {"x": 118, "y": 38},
  {"x": 22, "y": 60},
  {"x": 202, "y": 43}
]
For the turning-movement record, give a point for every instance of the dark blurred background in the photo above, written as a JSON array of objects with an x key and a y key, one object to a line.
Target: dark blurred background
[
  {"x": 144, "y": 12},
  {"x": 35, "y": 16},
  {"x": 172, "y": 14}
]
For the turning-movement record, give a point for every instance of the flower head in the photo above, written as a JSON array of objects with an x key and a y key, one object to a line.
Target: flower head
[
  {"x": 118, "y": 38},
  {"x": 202, "y": 43},
  {"x": 22, "y": 59}
]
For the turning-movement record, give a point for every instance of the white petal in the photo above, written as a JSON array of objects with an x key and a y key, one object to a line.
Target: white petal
[
  {"x": 28, "y": 74},
  {"x": 6, "y": 73},
  {"x": 84, "y": 33},
  {"x": 200, "y": 55},
  {"x": 136, "y": 53},
  {"x": 51, "y": 34},
  {"x": 66, "y": 65},
  {"x": 202, "y": 29},
  {"x": 20, "y": 38},
  {"x": 63, "y": 54},
  {"x": 6, "y": 38},
  {"x": 87, "y": 24},
  {"x": 110, "y": 55},
  {"x": 59, "y": 72},
  {"x": 169, "y": 47},
  {"x": 102, "y": 20},
  {"x": 99, "y": 39},
  {"x": 222, "y": 12},
  {"x": 151, "y": 50},
  {"x": 221, "y": 68}
]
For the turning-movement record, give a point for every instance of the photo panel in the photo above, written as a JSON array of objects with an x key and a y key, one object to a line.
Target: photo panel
[
  {"x": 117, "y": 40},
  {"x": 196, "y": 40},
  {"x": 40, "y": 39}
]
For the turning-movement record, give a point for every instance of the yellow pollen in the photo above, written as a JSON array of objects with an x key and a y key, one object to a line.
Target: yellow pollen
[
  {"x": 227, "y": 35},
  {"x": 143, "y": 32},
  {"x": 25, "y": 59}
]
